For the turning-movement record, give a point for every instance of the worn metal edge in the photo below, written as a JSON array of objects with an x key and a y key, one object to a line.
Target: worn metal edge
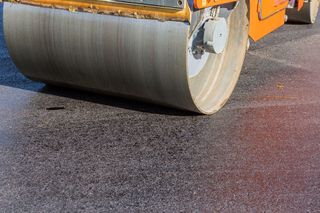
[{"x": 113, "y": 8}]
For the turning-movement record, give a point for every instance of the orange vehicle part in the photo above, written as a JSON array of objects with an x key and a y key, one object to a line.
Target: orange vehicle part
[
  {"x": 210, "y": 3},
  {"x": 266, "y": 16},
  {"x": 300, "y": 4}
]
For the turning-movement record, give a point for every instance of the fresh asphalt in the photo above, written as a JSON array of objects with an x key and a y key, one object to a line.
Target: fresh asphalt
[{"x": 65, "y": 150}]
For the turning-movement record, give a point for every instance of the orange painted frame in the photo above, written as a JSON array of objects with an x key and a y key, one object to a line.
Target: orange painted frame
[
  {"x": 300, "y": 4},
  {"x": 266, "y": 16},
  {"x": 210, "y": 3},
  {"x": 265, "y": 20}
]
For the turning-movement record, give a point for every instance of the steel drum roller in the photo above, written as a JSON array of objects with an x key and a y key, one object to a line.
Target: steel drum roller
[{"x": 143, "y": 59}]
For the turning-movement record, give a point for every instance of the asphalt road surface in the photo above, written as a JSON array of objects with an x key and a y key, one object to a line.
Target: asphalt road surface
[{"x": 67, "y": 150}]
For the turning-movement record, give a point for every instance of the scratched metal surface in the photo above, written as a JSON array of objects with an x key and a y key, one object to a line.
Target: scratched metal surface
[
  {"x": 65, "y": 150},
  {"x": 162, "y": 3}
]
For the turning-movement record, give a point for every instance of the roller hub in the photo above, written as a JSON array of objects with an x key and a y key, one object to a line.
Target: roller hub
[{"x": 215, "y": 35}]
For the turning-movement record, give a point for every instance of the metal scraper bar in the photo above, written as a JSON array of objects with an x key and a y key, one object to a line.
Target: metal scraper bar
[{"x": 177, "y": 4}]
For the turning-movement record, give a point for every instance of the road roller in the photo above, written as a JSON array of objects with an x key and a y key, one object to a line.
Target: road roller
[{"x": 185, "y": 54}]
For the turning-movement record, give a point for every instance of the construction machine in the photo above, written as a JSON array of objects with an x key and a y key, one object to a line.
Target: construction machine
[{"x": 186, "y": 54}]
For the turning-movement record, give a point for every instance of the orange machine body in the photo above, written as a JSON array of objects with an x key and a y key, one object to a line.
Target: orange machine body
[
  {"x": 300, "y": 4},
  {"x": 265, "y": 15},
  {"x": 210, "y": 3}
]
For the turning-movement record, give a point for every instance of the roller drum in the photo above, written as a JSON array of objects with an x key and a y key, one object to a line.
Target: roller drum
[{"x": 138, "y": 58}]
